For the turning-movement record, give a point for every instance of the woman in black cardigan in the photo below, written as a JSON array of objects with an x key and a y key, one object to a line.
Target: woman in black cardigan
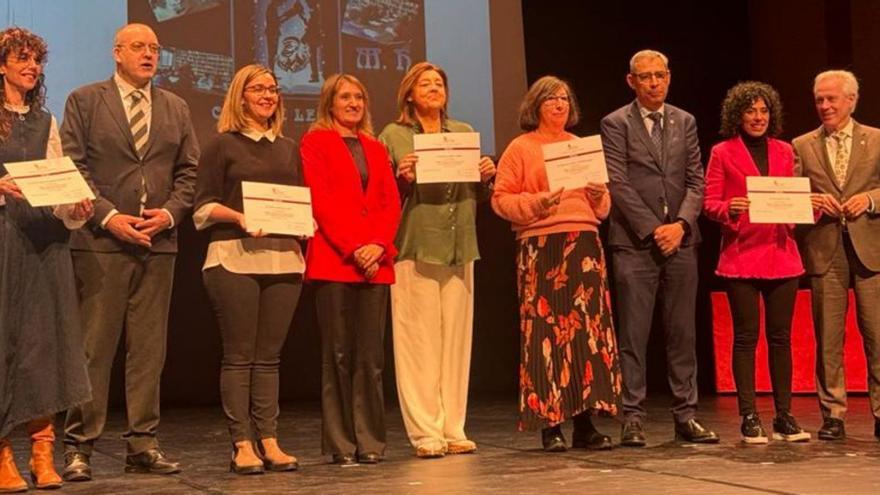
[{"x": 252, "y": 280}]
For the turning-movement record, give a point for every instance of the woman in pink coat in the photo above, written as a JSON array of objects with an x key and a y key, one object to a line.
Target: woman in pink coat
[{"x": 757, "y": 260}]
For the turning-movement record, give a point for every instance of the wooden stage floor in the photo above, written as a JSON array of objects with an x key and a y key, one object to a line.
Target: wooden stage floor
[{"x": 507, "y": 461}]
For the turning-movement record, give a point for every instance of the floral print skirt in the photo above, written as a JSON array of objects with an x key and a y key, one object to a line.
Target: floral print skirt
[{"x": 568, "y": 350}]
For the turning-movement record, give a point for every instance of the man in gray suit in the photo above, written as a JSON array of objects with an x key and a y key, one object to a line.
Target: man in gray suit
[
  {"x": 653, "y": 159},
  {"x": 135, "y": 145},
  {"x": 842, "y": 160}
]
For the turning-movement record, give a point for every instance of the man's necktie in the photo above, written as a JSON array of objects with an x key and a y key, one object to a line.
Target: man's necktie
[
  {"x": 841, "y": 157},
  {"x": 657, "y": 130},
  {"x": 138, "y": 125}
]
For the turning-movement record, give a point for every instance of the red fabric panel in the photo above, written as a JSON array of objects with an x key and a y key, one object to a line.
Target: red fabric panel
[{"x": 803, "y": 348}]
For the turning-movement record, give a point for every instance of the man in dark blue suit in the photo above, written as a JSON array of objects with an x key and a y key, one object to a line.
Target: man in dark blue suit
[{"x": 653, "y": 159}]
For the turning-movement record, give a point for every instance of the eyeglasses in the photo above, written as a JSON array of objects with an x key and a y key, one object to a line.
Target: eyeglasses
[
  {"x": 646, "y": 76},
  {"x": 139, "y": 47},
  {"x": 259, "y": 89},
  {"x": 565, "y": 100}
]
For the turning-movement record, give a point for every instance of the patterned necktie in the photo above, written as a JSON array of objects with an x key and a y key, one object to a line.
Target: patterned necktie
[
  {"x": 657, "y": 130},
  {"x": 138, "y": 122},
  {"x": 841, "y": 157},
  {"x": 138, "y": 125}
]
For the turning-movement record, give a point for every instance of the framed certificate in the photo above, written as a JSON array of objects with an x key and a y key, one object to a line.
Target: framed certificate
[
  {"x": 278, "y": 209},
  {"x": 575, "y": 163},
  {"x": 779, "y": 200},
  {"x": 447, "y": 157},
  {"x": 55, "y": 181}
]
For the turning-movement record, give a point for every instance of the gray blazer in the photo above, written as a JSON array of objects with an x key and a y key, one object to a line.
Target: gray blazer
[
  {"x": 644, "y": 182},
  {"x": 97, "y": 137},
  {"x": 819, "y": 242}
]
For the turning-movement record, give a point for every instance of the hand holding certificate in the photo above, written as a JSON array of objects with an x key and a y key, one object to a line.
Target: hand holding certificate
[
  {"x": 447, "y": 157},
  {"x": 55, "y": 181},
  {"x": 574, "y": 164},
  {"x": 278, "y": 209},
  {"x": 779, "y": 200}
]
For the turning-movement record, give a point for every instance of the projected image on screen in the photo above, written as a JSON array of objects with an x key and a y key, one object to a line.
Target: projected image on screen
[
  {"x": 303, "y": 41},
  {"x": 295, "y": 34},
  {"x": 187, "y": 70},
  {"x": 384, "y": 21},
  {"x": 169, "y": 9}
]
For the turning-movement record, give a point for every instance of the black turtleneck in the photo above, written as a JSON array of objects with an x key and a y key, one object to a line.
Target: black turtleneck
[{"x": 757, "y": 147}]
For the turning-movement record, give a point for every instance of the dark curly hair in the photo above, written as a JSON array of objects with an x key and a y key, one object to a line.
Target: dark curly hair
[
  {"x": 740, "y": 97},
  {"x": 13, "y": 41}
]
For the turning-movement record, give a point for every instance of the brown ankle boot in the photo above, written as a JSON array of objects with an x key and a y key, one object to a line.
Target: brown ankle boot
[
  {"x": 10, "y": 480},
  {"x": 42, "y": 466}
]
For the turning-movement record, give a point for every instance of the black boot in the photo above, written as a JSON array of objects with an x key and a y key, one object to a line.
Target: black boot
[
  {"x": 552, "y": 439},
  {"x": 585, "y": 435}
]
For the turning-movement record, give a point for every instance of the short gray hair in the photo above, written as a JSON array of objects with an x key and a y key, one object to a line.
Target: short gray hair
[
  {"x": 646, "y": 54},
  {"x": 850, "y": 83}
]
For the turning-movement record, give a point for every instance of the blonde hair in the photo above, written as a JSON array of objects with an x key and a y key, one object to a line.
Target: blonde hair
[
  {"x": 404, "y": 94},
  {"x": 232, "y": 116},
  {"x": 325, "y": 104}
]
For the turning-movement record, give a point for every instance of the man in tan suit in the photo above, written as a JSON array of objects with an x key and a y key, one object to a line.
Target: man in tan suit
[{"x": 842, "y": 250}]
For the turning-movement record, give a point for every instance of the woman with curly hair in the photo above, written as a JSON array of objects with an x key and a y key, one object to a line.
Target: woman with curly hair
[
  {"x": 42, "y": 362},
  {"x": 569, "y": 367},
  {"x": 757, "y": 260}
]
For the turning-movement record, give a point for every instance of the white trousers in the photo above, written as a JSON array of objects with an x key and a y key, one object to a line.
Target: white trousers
[{"x": 432, "y": 309}]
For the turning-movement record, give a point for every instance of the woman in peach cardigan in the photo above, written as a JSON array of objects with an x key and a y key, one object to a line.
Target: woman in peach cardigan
[{"x": 568, "y": 358}]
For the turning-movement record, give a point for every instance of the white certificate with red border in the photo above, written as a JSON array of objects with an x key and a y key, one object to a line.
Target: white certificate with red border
[
  {"x": 447, "y": 157},
  {"x": 51, "y": 182},
  {"x": 575, "y": 163},
  {"x": 277, "y": 209},
  {"x": 779, "y": 200}
]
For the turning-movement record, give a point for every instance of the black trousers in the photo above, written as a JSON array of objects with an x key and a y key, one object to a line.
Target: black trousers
[
  {"x": 779, "y": 297},
  {"x": 254, "y": 313},
  {"x": 352, "y": 320}
]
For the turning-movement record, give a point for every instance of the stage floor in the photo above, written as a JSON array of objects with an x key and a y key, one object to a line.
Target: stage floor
[{"x": 507, "y": 461}]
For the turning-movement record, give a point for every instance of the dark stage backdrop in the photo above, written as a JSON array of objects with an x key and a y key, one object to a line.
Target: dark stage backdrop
[{"x": 711, "y": 47}]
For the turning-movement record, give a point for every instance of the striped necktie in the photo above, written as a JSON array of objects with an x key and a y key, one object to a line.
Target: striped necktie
[
  {"x": 138, "y": 125},
  {"x": 138, "y": 122}
]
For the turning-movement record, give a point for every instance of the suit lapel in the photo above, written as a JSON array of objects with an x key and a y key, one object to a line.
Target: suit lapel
[
  {"x": 110, "y": 94},
  {"x": 158, "y": 112},
  {"x": 637, "y": 123},
  {"x": 856, "y": 153},
  {"x": 818, "y": 145},
  {"x": 744, "y": 160}
]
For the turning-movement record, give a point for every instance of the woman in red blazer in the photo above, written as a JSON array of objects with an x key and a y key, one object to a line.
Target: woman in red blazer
[
  {"x": 756, "y": 259},
  {"x": 350, "y": 260}
]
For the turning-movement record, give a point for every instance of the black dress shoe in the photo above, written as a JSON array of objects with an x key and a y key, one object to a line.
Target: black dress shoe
[
  {"x": 585, "y": 435},
  {"x": 77, "y": 467},
  {"x": 150, "y": 461},
  {"x": 694, "y": 432},
  {"x": 552, "y": 439},
  {"x": 633, "y": 434},
  {"x": 369, "y": 458},
  {"x": 877, "y": 429},
  {"x": 345, "y": 459},
  {"x": 832, "y": 429}
]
